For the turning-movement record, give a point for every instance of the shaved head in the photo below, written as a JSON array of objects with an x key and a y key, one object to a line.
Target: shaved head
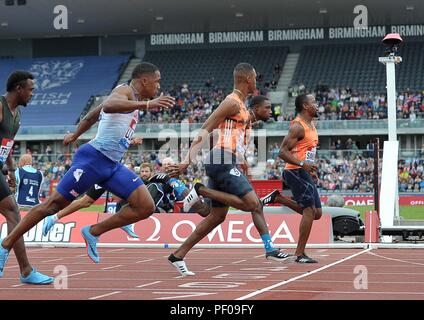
[{"x": 243, "y": 70}]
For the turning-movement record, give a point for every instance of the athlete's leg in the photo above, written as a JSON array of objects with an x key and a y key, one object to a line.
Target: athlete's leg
[
  {"x": 201, "y": 208},
  {"x": 81, "y": 203},
  {"x": 140, "y": 206},
  {"x": 318, "y": 213},
  {"x": 128, "y": 186},
  {"x": 53, "y": 204},
  {"x": 305, "y": 229},
  {"x": 311, "y": 213},
  {"x": 285, "y": 201},
  {"x": 77, "y": 180},
  {"x": 217, "y": 216},
  {"x": 228, "y": 199},
  {"x": 10, "y": 211},
  {"x": 305, "y": 194}
]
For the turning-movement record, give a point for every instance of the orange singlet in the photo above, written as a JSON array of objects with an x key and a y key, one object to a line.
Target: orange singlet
[
  {"x": 234, "y": 132},
  {"x": 306, "y": 148}
]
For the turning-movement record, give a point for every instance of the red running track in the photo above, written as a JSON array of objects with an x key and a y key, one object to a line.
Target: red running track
[{"x": 221, "y": 274}]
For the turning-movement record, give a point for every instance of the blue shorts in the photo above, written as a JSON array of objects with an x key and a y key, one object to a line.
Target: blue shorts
[
  {"x": 90, "y": 167},
  {"x": 226, "y": 178},
  {"x": 303, "y": 188}
]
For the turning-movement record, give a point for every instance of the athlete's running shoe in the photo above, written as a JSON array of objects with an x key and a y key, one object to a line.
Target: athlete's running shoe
[
  {"x": 303, "y": 258},
  {"x": 278, "y": 255},
  {"x": 91, "y": 242},
  {"x": 270, "y": 198},
  {"x": 4, "y": 255},
  {"x": 192, "y": 197},
  {"x": 129, "y": 229},
  {"x": 159, "y": 178},
  {"x": 180, "y": 265},
  {"x": 36, "y": 277},
  {"x": 49, "y": 222}
]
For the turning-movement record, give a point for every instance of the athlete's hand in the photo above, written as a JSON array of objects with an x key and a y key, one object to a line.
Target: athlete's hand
[
  {"x": 12, "y": 180},
  {"x": 175, "y": 170},
  {"x": 314, "y": 176},
  {"x": 136, "y": 141},
  {"x": 310, "y": 167},
  {"x": 69, "y": 138},
  {"x": 162, "y": 102}
]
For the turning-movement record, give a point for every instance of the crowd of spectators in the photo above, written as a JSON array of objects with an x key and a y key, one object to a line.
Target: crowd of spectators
[
  {"x": 348, "y": 104},
  {"x": 345, "y": 168}
]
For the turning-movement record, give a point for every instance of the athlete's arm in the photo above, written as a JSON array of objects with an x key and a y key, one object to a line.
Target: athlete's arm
[
  {"x": 86, "y": 123},
  {"x": 137, "y": 141},
  {"x": 11, "y": 170},
  {"x": 120, "y": 100},
  {"x": 227, "y": 108},
  {"x": 296, "y": 133}
]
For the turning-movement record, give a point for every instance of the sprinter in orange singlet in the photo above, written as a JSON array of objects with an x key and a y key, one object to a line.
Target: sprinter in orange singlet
[
  {"x": 298, "y": 150},
  {"x": 228, "y": 186}
]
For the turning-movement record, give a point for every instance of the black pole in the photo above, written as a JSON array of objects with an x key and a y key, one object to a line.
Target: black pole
[
  {"x": 106, "y": 202},
  {"x": 376, "y": 175}
]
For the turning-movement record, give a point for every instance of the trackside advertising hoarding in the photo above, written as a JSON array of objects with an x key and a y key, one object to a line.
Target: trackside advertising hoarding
[{"x": 165, "y": 229}]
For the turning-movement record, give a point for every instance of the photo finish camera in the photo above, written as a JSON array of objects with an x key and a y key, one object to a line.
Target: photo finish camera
[{"x": 391, "y": 42}]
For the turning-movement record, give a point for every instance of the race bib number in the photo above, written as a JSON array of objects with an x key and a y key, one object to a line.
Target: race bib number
[
  {"x": 310, "y": 155},
  {"x": 126, "y": 140},
  {"x": 6, "y": 146}
]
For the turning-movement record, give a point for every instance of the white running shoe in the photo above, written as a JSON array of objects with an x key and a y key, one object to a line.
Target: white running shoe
[
  {"x": 190, "y": 200},
  {"x": 180, "y": 265}
]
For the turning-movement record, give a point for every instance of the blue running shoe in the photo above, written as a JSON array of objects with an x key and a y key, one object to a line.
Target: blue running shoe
[
  {"x": 91, "y": 242},
  {"x": 4, "y": 255},
  {"x": 49, "y": 222},
  {"x": 129, "y": 229},
  {"x": 36, "y": 277}
]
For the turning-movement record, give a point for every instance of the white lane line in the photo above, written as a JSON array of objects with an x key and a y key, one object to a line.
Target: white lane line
[
  {"x": 282, "y": 283},
  {"x": 214, "y": 268},
  {"x": 141, "y": 261},
  {"x": 104, "y": 295},
  {"x": 114, "y": 250},
  {"x": 107, "y": 268},
  {"x": 35, "y": 250},
  {"x": 52, "y": 260},
  {"x": 240, "y": 261},
  {"x": 75, "y": 274},
  {"x": 148, "y": 284},
  {"x": 399, "y": 260}
]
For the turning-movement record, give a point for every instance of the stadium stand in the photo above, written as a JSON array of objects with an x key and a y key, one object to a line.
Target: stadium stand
[
  {"x": 196, "y": 67},
  {"x": 64, "y": 85},
  {"x": 355, "y": 66}
]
